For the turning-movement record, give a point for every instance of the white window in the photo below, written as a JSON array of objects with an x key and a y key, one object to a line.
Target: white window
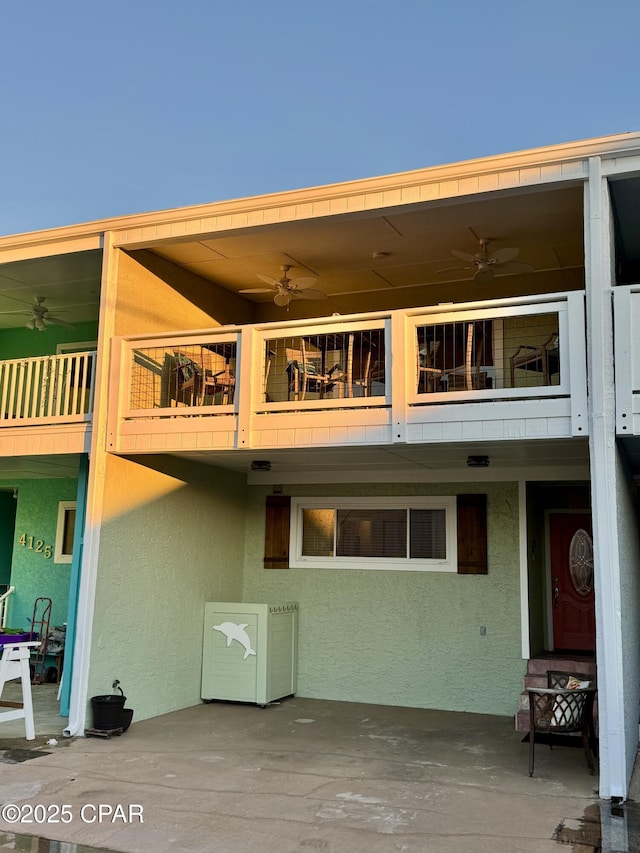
[
  {"x": 64, "y": 533},
  {"x": 405, "y": 534}
]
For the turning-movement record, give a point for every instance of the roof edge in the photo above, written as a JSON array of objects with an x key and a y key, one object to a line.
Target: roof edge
[{"x": 615, "y": 145}]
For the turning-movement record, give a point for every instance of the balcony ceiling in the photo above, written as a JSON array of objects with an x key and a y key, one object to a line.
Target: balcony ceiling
[
  {"x": 412, "y": 245},
  {"x": 70, "y": 285},
  {"x": 14, "y": 468},
  {"x": 536, "y": 459}
]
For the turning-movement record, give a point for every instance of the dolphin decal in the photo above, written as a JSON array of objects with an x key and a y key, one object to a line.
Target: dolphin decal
[{"x": 238, "y": 633}]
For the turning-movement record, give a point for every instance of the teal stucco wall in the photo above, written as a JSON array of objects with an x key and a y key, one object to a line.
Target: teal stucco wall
[
  {"x": 404, "y": 638},
  {"x": 32, "y": 574}
]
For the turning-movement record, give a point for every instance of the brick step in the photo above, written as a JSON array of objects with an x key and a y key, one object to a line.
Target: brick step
[
  {"x": 523, "y": 701},
  {"x": 536, "y": 676},
  {"x": 535, "y": 680},
  {"x": 540, "y": 666},
  {"x": 522, "y": 721}
]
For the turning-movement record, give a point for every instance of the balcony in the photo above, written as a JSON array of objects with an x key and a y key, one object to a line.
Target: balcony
[
  {"x": 504, "y": 369},
  {"x": 46, "y": 404}
]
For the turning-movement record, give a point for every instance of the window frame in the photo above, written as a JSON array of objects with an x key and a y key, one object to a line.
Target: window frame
[
  {"x": 58, "y": 554},
  {"x": 406, "y": 564}
]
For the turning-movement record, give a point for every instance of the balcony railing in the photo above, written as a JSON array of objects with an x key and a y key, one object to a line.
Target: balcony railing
[
  {"x": 391, "y": 367},
  {"x": 47, "y": 389}
]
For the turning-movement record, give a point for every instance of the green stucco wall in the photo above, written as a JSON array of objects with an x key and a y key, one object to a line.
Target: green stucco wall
[
  {"x": 172, "y": 538},
  {"x": 404, "y": 638},
  {"x": 25, "y": 343},
  {"x": 32, "y": 574}
]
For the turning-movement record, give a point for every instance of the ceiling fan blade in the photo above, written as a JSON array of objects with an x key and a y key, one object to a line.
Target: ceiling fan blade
[
  {"x": 503, "y": 256},
  {"x": 303, "y": 281},
  {"x": 282, "y": 299},
  {"x": 518, "y": 266},
  {"x": 56, "y": 321},
  {"x": 309, "y": 294},
  {"x": 453, "y": 269},
  {"x": 257, "y": 290},
  {"x": 274, "y": 282},
  {"x": 464, "y": 256}
]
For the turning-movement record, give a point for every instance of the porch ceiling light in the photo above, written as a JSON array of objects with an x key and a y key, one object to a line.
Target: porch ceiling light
[
  {"x": 478, "y": 461},
  {"x": 260, "y": 465}
]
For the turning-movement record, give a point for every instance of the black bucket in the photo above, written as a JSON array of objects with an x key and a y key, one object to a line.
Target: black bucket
[
  {"x": 107, "y": 711},
  {"x": 127, "y": 716}
]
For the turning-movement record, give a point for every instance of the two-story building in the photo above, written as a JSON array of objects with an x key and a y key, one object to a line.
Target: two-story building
[{"x": 408, "y": 403}]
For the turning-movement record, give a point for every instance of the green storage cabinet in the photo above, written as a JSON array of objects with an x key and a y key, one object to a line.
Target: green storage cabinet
[{"x": 249, "y": 651}]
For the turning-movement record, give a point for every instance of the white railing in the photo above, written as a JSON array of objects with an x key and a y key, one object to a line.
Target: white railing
[
  {"x": 519, "y": 350},
  {"x": 4, "y": 600},
  {"x": 52, "y": 389}
]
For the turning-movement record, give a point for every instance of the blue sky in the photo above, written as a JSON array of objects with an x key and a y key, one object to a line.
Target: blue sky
[{"x": 137, "y": 105}]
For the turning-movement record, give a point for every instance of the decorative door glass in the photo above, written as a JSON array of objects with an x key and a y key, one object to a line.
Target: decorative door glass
[{"x": 581, "y": 562}]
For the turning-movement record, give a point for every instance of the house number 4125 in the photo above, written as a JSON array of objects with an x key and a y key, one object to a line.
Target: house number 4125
[{"x": 37, "y": 545}]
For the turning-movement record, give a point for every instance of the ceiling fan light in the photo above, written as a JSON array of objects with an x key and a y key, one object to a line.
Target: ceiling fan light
[
  {"x": 484, "y": 274},
  {"x": 31, "y": 324}
]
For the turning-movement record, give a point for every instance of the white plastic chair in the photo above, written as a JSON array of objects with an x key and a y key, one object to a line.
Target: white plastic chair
[{"x": 14, "y": 663}]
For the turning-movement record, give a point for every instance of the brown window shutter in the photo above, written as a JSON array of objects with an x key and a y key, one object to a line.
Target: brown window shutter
[
  {"x": 276, "y": 539},
  {"x": 472, "y": 535}
]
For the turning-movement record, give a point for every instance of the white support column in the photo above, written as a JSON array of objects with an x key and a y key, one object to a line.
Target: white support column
[
  {"x": 614, "y": 766},
  {"x": 524, "y": 570},
  {"x": 95, "y": 494}
]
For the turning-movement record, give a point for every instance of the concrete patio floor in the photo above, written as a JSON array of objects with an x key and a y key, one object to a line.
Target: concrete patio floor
[{"x": 306, "y": 774}]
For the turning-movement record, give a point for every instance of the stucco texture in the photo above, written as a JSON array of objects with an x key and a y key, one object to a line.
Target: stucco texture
[
  {"x": 154, "y": 295},
  {"x": 404, "y": 638},
  {"x": 32, "y": 574},
  {"x": 172, "y": 538}
]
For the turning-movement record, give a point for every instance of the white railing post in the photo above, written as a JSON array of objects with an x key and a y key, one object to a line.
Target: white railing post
[
  {"x": 4, "y": 600},
  {"x": 577, "y": 352}
]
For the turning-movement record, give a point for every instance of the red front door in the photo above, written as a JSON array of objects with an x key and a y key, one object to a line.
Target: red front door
[{"x": 573, "y": 600}]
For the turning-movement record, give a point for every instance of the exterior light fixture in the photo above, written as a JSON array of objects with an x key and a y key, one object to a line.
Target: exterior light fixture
[{"x": 478, "y": 461}]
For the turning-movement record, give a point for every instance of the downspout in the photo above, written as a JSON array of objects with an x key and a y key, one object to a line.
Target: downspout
[{"x": 76, "y": 562}]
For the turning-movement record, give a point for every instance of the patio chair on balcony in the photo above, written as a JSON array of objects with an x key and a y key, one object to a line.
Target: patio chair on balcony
[
  {"x": 429, "y": 376},
  {"x": 195, "y": 382},
  {"x": 304, "y": 371},
  {"x": 543, "y": 359},
  {"x": 564, "y": 707}
]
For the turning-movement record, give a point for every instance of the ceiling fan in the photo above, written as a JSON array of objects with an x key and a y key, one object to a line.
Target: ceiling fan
[
  {"x": 40, "y": 317},
  {"x": 285, "y": 289},
  {"x": 486, "y": 264}
]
